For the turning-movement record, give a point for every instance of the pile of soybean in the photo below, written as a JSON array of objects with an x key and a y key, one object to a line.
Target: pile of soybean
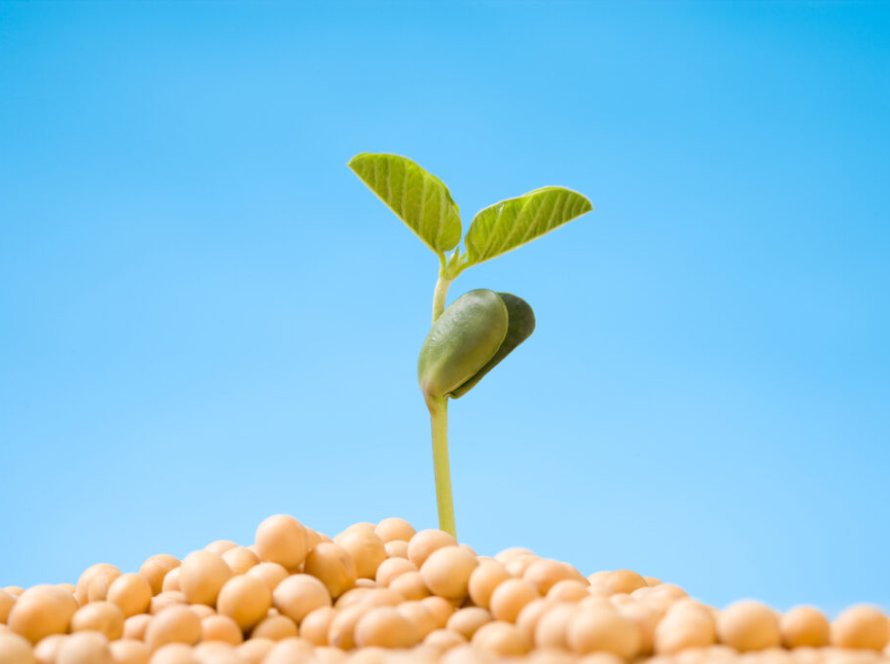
[{"x": 385, "y": 593}]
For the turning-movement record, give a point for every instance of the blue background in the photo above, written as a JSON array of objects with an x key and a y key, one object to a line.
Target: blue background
[{"x": 205, "y": 318}]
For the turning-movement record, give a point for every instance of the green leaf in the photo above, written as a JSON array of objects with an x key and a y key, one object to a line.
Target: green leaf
[
  {"x": 511, "y": 223},
  {"x": 520, "y": 326},
  {"x": 469, "y": 339},
  {"x": 418, "y": 198},
  {"x": 461, "y": 342}
]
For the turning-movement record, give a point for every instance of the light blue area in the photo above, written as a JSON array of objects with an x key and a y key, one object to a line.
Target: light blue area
[{"x": 205, "y": 318}]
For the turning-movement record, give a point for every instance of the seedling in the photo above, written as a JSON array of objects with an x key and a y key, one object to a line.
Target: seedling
[{"x": 477, "y": 331}]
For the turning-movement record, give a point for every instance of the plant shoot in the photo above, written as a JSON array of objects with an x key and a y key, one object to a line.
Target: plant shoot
[{"x": 472, "y": 335}]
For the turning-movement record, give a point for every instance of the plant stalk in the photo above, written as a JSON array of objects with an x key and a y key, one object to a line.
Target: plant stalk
[
  {"x": 440, "y": 294},
  {"x": 439, "y": 422}
]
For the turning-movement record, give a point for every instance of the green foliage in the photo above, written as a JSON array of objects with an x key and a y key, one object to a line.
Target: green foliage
[
  {"x": 418, "y": 198},
  {"x": 504, "y": 226}
]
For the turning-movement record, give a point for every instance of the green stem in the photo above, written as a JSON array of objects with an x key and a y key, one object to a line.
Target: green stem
[
  {"x": 440, "y": 294},
  {"x": 439, "y": 422}
]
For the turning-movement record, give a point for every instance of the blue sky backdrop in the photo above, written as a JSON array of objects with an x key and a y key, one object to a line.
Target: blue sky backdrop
[{"x": 205, "y": 318}]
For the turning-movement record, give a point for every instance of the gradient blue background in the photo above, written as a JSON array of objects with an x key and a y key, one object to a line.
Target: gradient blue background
[{"x": 205, "y": 318}]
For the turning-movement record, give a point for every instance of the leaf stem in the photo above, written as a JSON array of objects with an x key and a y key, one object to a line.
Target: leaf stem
[
  {"x": 439, "y": 422},
  {"x": 440, "y": 294},
  {"x": 438, "y": 407}
]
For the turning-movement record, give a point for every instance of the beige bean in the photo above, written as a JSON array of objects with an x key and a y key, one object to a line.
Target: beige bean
[
  {"x": 341, "y": 631},
  {"x": 316, "y": 624},
  {"x": 201, "y": 577},
  {"x": 245, "y": 599},
  {"x": 510, "y": 597},
  {"x": 240, "y": 559},
  {"x": 282, "y": 539},
  {"x": 410, "y": 586},
  {"x": 255, "y": 651},
  {"x": 446, "y": 572},
  {"x": 425, "y": 542},
  {"x": 269, "y": 573},
  {"x": 221, "y": 628},
  {"x": 129, "y": 651},
  {"x": 862, "y": 626},
  {"x": 419, "y": 616},
  {"x": 444, "y": 639},
  {"x": 394, "y": 529},
  {"x": 48, "y": 649},
  {"x": 173, "y": 653},
  {"x": 131, "y": 593},
  {"x": 290, "y": 651},
  {"x": 175, "y": 624},
  {"x": 805, "y": 626},
  {"x": 219, "y": 547},
  {"x": 467, "y": 622},
  {"x": 135, "y": 626},
  {"x": 155, "y": 568},
  {"x": 552, "y": 628},
  {"x": 171, "y": 580},
  {"x": 568, "y": 590},
  {"x": 484, "y": 579},
  {"x": 333, "y": 566},
  {"x": 527, "y": 620},
  {"x": 390, "y": 568},
  {"x": 166, "y": 598},
  {"x": 440, "y": 609},
  {"x": 84, "y": 648},
  {"x": 102, "y": 617},
  {"x": 299, "y": 594},
  {"x": 385, "y": 627},
  {"x": 6, "y": 602},
  {"x": 15, "y": 649},
  {"x": 365, "y": 548},
  {"x": 275, "y": 628},
  {"x": 82, "y": 589},
  {"x": 502, "y": 639},
  {"x": 623, "y": 581},
  {"x": 42, "y": 611},
  {"x": 603, "y": 630},
  {"x": 749, "y": 625}
]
